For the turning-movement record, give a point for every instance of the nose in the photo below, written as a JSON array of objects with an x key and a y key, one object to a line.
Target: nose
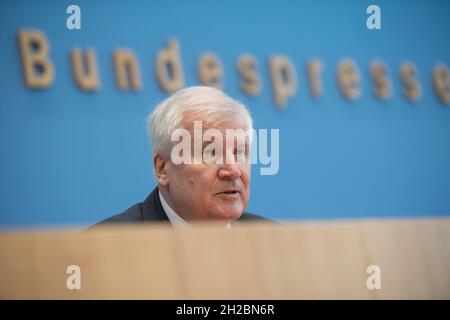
[{"x": 229, "y": 171}]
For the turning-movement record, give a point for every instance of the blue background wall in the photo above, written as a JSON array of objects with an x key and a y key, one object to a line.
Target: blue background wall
[{"x": 70, "y": 157}]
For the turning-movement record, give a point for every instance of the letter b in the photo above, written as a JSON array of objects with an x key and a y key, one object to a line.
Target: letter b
[{"x": 37, "y": 67}]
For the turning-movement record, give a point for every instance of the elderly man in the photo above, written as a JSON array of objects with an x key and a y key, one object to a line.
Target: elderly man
[{"x": 202, "y": 181}]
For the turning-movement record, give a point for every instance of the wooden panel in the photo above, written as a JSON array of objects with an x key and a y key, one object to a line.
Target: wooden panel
[
  {"x": 252, "y": 261},
  {"x": 333, "y": 261},
  {"x": 218, "y": 263},
  {"x": 114, "y": 264},
  {"x": 273, "y": 262},
  {"x": 411, "y": 257}
]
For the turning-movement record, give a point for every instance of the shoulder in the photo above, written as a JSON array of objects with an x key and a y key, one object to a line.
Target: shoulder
[
  {"x": 131, "y": 215},
  {"x": 251, "y": 216},
  {"x": 148, "y": 211}
]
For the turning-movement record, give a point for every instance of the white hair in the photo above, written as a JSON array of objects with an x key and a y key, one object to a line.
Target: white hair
[{"x": 210, "y": 103}]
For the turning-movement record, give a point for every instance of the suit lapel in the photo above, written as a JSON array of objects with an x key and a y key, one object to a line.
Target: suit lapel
[{"x": 152, "y": 209}]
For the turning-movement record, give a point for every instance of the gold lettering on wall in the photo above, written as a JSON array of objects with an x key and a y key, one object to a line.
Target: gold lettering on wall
[
  {"x": 251, "y": 82},
  {"x": 85, "y": 73},
  {"x": 412, "y": 90},
  {"x": 382, "y": 87},
  {"x": 284, "y": 79},
  {"x": 127, "y": 70},
  {"x": 39, "y": 72},
  {"x": 441, "y": 83},
  {"x": 169, "y": 71},
  {"x": 348, "y": 79},
  {"x": 37, "y": 68},
  {"x": 315, "y": 67},
  {"x": 210, "y": 71}
]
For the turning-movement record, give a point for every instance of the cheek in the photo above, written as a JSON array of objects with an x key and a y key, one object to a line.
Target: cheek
[
  {"x": 246, "y": 181},
  {"x": 199, "y": 179},
  {"x": 246, "y": 176},
  {"x": 183, "y": 181}
]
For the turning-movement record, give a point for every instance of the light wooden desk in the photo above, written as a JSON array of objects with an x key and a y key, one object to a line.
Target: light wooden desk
[{"x": 255, "y": 261}]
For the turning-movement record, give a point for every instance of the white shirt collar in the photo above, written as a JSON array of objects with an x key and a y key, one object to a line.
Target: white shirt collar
[{"x": 174, "y": 218}]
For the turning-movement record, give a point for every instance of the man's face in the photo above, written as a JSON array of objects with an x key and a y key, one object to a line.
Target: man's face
[{"x": 211, "y": 190}]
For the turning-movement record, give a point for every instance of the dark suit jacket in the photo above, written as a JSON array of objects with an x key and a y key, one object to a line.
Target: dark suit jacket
[{"x": 151, "y": 210}]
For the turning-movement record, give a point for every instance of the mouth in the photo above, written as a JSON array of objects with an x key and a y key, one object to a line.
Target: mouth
[{"x": 229, "y": 194}]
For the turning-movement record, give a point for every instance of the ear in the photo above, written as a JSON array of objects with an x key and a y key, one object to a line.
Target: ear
[{"x": 160, "y": 166}]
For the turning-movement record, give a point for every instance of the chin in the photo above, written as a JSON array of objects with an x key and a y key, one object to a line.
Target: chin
[{"x": 232, "y": 213}]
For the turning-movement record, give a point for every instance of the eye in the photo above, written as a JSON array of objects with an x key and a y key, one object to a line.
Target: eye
[
  {"x": 209, "y": 153},
  {"x": 240, "y": 151}
]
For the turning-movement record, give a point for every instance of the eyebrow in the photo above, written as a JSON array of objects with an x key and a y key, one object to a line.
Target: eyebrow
[
  {"x": 213, "y": 138},
  {"x": 205, "y": 143}
]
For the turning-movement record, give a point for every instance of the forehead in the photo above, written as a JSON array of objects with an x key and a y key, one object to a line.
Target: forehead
[{"x": 232, "y": 122}]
